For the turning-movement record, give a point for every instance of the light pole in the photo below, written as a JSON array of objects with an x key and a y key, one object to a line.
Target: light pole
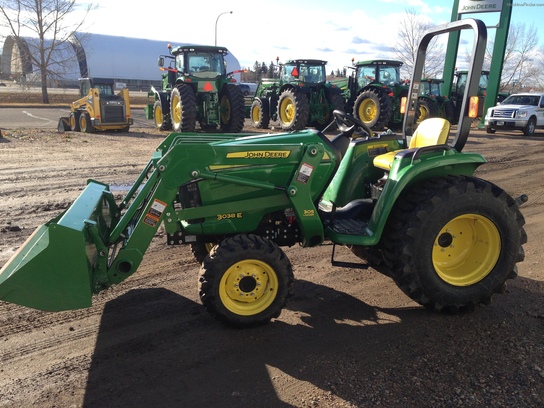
[{"x": 226, "y": 12}]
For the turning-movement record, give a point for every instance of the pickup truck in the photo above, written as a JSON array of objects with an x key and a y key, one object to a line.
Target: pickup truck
[{"x": 522, "y": 111}]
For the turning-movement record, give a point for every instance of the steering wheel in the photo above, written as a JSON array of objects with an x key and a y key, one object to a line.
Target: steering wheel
[{"x": 348, "y": 123}]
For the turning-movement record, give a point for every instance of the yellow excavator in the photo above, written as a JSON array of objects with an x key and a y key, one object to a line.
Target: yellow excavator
[{"x": 99, "y": 108}]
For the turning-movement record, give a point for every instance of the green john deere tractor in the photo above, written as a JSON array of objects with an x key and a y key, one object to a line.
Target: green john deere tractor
[
  {"x": 407, "y": 204},
  {"x": 459, "y": 84},
  {"x": 432, "y": 103},
  {"x": 300, "y": 97},
  {"x": 196, "y": 88},
  {"x": 374, "y": 92}
]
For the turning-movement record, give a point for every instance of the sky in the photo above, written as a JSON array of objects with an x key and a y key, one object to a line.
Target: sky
[{"x": 261, "y": 30}]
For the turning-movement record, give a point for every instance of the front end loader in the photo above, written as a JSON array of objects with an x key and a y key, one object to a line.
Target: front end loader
[{"x": 407, "y": 204}]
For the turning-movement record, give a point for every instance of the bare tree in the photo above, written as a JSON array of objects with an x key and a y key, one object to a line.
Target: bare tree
[
  {"x": 521, "y": 59},
  {"x": 42, "y": 30},
  {"x": 522, "y": 44},
  {"x": 411, "y": 29},
  {"x": 539, "y": 66}
]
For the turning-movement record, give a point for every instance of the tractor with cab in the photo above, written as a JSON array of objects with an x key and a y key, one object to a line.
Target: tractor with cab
[
  {"x": 300, "y": 97},
  {"x": 196, "y": 88}
]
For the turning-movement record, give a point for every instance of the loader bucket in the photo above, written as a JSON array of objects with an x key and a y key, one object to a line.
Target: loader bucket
[
  {"x": 53, "y": 270},
  {"x": 64, "y": 124}
]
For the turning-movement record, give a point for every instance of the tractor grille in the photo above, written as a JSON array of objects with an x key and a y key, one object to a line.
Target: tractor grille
[
  {"x": 504, "y": 113},
  {"x": 113, "y": 113}
]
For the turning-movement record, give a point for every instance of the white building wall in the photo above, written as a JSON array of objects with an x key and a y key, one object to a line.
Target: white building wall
[{"x": 120, "y": 58}]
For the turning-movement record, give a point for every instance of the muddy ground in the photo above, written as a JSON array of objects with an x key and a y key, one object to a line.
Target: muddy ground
[{"x": 347, "y": 338}]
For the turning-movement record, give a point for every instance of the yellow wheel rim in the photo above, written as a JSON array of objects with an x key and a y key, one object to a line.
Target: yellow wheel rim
[
  {"x": 158, "y": 116},
  {"x": 83, "y": 123},
  {"x": 287, "y": 111},
  {"x": 466, "y": 249},
  {"x": 225, "y": 109},
  {"x": 248, "y": 287},
  {"x": 367, "y": 110},
  {"x": 423, "y": 114},
  {"x": 176, "y": 108},
  {"x": 256, "y": 114},
  {"x": 72, "y": 122}
]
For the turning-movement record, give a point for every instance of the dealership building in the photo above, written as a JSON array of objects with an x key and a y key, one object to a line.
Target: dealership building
[{"x": 132, "y": 61}]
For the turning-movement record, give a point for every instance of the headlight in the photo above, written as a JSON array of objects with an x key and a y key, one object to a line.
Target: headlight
[{"x": 522, "y": 114}]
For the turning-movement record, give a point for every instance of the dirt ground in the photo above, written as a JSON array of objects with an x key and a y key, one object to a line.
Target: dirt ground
[{"x": 347, "y": 338}]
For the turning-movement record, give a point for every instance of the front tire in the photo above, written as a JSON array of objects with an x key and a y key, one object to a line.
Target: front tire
[
  {"x": 335, "y": 101},
  {"x": 530, "y": 128},
  {"x": 158, "y": 117},
  {"x": 232, "y": 109},
  {"x": 201, "y": 250},
  {"x": 183, "y": 109},
  {"x": 74, "y": 121},
  {"x": 452, "y": 242},
  {"x": 245, "y": 281},
  {"x": 260, "y": 116},
  {"x": 427, "y": 109}
]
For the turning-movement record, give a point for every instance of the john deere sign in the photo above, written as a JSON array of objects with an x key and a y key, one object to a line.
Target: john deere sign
[{"x": 479, "y": 6}]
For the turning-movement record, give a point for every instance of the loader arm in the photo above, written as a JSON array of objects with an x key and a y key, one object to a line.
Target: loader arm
[
  {"x": 97, "y": 243},
  {"x": 80, "y": 103}
]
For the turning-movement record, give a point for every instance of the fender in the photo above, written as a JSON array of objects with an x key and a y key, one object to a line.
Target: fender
[
  {"x": 409, "y": 167},
  {"x": 162, "y": 96}
]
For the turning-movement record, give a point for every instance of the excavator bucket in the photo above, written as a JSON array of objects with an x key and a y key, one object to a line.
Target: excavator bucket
[{"x": 35, "y": 277}]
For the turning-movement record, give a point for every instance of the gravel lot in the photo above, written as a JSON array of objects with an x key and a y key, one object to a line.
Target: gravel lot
[{"x": 347, "y": 338}]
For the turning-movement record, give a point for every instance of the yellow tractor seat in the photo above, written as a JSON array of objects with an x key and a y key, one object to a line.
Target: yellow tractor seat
[{"x": 430, "y": 132}]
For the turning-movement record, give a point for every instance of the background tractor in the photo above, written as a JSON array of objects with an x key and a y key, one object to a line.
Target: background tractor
[
  {"x": 373, "y": 93},
  {"x": 458, "y": 89},
  {"x": 408, "y": 204},
  {"x": 432, "y": 103},
  {"x": 196, "y": 88},
  {"x": 99, "y": 108},
  {"x": 300, "y": 97}
]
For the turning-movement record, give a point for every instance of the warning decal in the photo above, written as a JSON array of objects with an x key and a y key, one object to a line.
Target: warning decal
[
  {"x": 157, "y": 208},
  {"x": 305, "y": 172},
  {"x": 155, "y": 212}
]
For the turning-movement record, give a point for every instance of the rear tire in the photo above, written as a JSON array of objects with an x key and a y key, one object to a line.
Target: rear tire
[
  {"x": 245, "y": 281},
  {"x": 373, "y": 108},
  {"x": 293, "y": 110},
  {"x": 183, "y": 109},
  {"x": 452, "y": 242},
  {"x": 490, "y": 130},
  {"x": 232, "y": 108}
]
